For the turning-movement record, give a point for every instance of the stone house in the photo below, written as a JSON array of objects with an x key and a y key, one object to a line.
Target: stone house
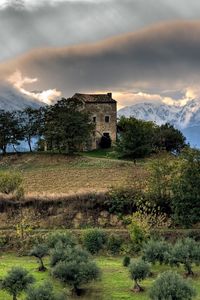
[{"x": 103, "y": 111}]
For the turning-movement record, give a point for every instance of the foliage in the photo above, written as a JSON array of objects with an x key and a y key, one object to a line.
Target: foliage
[
  {"x": 10, "y": 182},
  {"x": 75, "y": 268},
  {"x": 186, "y": 189},
  {"x": 169, "y": 138},
  {"x": 136, "y": 137},
  {"x": 67, "y": 125},
  {"x": 10, "y": 131},
  {"x": 156, "y": 251},
  {"x": 186, "y": 252},
  {"x": 126, "y": 261},
  {"x": 63, "y": 239},
  {"x": 139, "y": 270},
  {"x": 16, "y": 281},
  {"x": 43, "y": 292},
  {"x": 121, "y": 200},
  {"x": 170, "y": 285},
  {"x": 94, "y": 240},
  {"x": 114, "y": 244},
  {"x": 40, "y": 251}
]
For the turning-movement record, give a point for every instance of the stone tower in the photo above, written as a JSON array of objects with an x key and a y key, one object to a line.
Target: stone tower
[{"x": 103, "y": 111}]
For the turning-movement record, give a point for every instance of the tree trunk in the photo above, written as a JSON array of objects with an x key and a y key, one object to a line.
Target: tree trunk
[
  {"x": 29, "y": 144},
  {"x": 42, "y": 268},
  {"x": 137, "y": 288},
  {"x": 188, "y": 269},
  {"x": 14, "y": 297}
]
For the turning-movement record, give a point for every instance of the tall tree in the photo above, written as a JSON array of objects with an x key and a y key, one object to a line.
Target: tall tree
[
  {"x": 67, "y": 125},
  {"x": 10, "y": 130}
]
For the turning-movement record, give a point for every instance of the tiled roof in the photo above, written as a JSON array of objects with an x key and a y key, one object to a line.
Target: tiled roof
[{"x": 95, "y": 98}]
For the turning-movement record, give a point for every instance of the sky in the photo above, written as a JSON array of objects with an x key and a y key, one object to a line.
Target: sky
[{"x": 141, "y": 50}]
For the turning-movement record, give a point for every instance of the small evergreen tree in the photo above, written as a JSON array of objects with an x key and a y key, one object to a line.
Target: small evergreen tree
[
  {"x": 16, "y": 281},
  {"x": 139, "y": 270},
  {"x": 170, "y": 285},
  {"x": 40, "y": 251}
]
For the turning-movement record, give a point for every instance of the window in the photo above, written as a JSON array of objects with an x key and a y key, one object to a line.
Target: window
[
  {"x": 94, "y": 119},
  {"x": 107, "y": 119}
]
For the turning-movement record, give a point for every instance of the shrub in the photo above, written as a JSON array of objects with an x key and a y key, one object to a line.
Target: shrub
[
  {"x": 40, "y": 251},
  {"x": 64, "y": 239},
  {"x": 94, "y": 240},
  {"x": 10, "y": 183},
  {"x": 139, "y": 270},
  {"x": 121, "y": 200},
  {"x": 156, "y": 251},
  {"x": 114, "y": 244},
  {"x": 43, "y": 292},
  {"x": 126, "y": 261},
  {"x": 16, "y": 281},
  {"x": 170, "y": 285},
  {"x": 76, "y": 269},
  {"x": 186, "y": 252}
]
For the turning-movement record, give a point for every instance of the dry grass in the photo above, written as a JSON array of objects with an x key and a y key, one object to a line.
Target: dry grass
[{"x": 57, "y": 174}]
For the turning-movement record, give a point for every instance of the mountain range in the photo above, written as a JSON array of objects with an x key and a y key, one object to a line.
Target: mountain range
[{"x": 186, "y": 118}]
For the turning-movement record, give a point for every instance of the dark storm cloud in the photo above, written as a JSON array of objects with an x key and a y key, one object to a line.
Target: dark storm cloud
[
  {"x": 60, "y": 23},
  {"x": 154, "y": 59}
]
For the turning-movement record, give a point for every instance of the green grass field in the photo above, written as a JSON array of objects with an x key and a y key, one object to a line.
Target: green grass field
[{"x": 115, "y": 283}]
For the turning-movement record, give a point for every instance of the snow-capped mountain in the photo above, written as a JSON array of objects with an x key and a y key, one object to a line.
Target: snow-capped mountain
[
  {"x": 11, "y": 99},
  {"x": 186, "y": 118}
]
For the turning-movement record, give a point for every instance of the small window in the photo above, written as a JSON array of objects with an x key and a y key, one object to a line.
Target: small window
[
  {"x": 107, "y": 119},
  {"x": 94, "y": 119}
]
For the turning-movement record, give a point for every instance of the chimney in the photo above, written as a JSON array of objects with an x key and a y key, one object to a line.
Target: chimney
[{"x": 109, "y": 95}]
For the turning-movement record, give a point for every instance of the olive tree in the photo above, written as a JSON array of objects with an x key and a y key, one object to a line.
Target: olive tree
[
  {"x": 156, "y": 251},
  {"x": 40, "y": 251},
  {"x": 17, "y": 280},
  {"x": 186, "y": 252},
  {"x": 139, "y": 270},
  {"x": 43, "y": 292},
  {"x": 170, "y": 285}
]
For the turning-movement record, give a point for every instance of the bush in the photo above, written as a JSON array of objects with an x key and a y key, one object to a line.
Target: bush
[
  {"x": 16, "y": 281},
  {"x": 63, "y": 239},
  {"x": 186, "y": 252},
  {"x": 139, "y": 270},
  {"x": 156, "y": 251},
  {"x": 121, "y": 200},
  {"x": 40, "y": 251},
  {"x": 94, "y": 240},
  {"x": 170, "y": 285},
  {"x": 76, "y": 269},
  {"x": 43, "y": 292},
  {"x": 10, "y": 183},
  {"x": 114, "y": 244},
  {"x": 126, "y": 261}
]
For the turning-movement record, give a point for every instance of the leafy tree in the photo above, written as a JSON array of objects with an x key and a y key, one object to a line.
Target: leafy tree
[
  {"x": 43, "y": 292},
  {"x": 40, "y": 251},
  {"x": 16, "y": 281},
  {"x": 186, "y": 189},
  {"x": 156, "y": 251},
  {"x": 10, "y": 131},
  {"x": 67, "y": 125},
  {"x": 31, "y": 121},
  {"x": 186, "y": 252},
  {"x": 139, "y": 270},
  {"x": 75, "y": 268},
  {"x": 169, "y": 138},
  {"x": 136, "y": 137},
  {"x": 94, "y": 240},
  {"x": 170, "y": 285}
]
